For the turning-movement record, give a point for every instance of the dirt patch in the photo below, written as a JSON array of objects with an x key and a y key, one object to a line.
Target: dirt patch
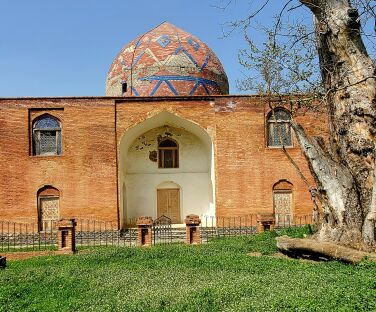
[
  {"x": 28, "y": 254},
  {"x": 280, "y": 255},
  {"x": 254, "y": 254}
]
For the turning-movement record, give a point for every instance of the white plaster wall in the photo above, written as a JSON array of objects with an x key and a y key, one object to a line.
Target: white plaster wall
[
  {"x": 195, "y": 190},
  {"x": 142, "y": 177},
  {"x": 193, "y": 154}
]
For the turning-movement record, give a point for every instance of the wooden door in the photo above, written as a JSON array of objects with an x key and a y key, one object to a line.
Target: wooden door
[{"x": 168, "y": 204}]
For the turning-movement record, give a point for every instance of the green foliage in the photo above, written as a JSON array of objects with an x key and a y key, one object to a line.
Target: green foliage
[
  {"x": 263, "y": 243},
  {"x": 297, "y": 232},
  {"x": 218, "y": 276}
]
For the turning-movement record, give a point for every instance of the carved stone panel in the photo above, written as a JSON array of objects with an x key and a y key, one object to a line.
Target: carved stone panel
[
  {"x": 49, "y": 212},
  {"x": 282, "y": 206}
]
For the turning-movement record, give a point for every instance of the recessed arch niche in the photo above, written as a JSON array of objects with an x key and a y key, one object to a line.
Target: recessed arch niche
[
  {"x": 283, "y": 202},
  {"x": 140, "y": 175}
]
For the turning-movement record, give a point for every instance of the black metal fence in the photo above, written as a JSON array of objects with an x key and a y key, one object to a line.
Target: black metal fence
[
  {"x": 103, "y": 233},
  {"x": 287, "y": 220},
  {"x": 28, "y": 236},
  {"x": 212, "y": 227},
  {"x": 162, "y": 231},
  {"x": 16, "y": 236}
]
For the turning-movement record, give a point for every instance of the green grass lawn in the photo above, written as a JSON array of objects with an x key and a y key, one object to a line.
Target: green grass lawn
[{"x": 218, "y": 276}]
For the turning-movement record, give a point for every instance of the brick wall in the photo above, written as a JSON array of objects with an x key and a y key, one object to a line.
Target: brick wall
[
  {"x": 246, "y": 168},
  {"x": 85, "y": 173}
]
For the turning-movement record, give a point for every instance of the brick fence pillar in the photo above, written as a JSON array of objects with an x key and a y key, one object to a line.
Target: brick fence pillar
[
  {"x": 144, "y": 231},
  {"x": 192, "y": 223},
  {"x": 66, "y": 236},
  {"x": 265, "y": 222}
]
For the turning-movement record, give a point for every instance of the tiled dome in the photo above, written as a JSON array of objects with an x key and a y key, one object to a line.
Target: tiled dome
[{"x": 166, "y": 61}]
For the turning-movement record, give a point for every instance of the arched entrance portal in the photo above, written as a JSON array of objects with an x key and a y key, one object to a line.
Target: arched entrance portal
[{"x": 166, "y": 167}]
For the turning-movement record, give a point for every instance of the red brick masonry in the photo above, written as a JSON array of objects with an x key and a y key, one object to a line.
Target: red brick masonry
[
  {"x": 144, "y": 231},
  {"x": 192, "y": 229},
  {"x": 66, "y": 242},
  {"x": 265, "y": 222},
  {"x": 86, "y": 174}
]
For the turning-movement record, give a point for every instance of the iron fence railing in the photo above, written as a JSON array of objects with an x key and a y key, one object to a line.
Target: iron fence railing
[
  {"x": 17, "y": 236},
  {"x": 212, "y": 226},
  {"x": 163, "y": 231},
  {"x": 287, "y": 220},
  {"x": 103, "y": 233}
]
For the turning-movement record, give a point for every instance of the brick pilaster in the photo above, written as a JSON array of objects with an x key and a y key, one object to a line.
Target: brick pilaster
[
  {"x": 144, "y": 231},
  {"x": 66, "y": 236},
  {"x": 192, "y": 223}
]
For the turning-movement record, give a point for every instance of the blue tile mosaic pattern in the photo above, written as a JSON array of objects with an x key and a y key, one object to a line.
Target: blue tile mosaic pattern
[{"x": 164, "y": 57}]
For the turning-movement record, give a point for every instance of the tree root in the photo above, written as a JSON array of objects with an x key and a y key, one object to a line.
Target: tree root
[{"x": 318, "y": 250}]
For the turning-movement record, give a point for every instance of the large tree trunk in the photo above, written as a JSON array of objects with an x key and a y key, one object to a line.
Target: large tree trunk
[
  {"x": 346, "y": 176},
  {"x": 312, "y": 249}
]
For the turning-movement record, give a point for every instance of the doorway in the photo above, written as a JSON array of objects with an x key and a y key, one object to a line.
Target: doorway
[
  {"x": 282, "y": 202},
  {"x": 168, "y": 204},
  {"x": 48, "y": 213},
  {"x": 282, "y": 207}
]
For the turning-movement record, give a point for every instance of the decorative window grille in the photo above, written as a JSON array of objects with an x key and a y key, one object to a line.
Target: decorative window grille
[
  {"x": 168, "y": 152},
  {"x": 46, "y": 136},
  {"x": 279, "y": 128}
]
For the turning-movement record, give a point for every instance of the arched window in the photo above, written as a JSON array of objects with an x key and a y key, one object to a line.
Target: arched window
[
  {"x": 279, "y": 128},
  {"x": 168, "y": 154},
  {"x": 48, "y": 208},
  {"x": 46, "y": 136},
  {"x": 282, "y": 202}
]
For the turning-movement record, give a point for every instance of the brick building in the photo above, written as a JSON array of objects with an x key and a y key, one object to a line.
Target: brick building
[{"x": 167, "y": 139}]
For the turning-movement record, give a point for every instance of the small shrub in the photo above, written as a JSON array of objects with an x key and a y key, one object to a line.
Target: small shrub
[{"x": 297, "y": 232}]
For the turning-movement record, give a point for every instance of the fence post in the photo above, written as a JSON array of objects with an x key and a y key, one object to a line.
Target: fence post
[
  {"x": 144, "y": 231},
  {"x": 66, "y": 240},
  {"x": 192, "y": 223},
  {"x": 3, "y": 262},
  {"x": 265, "y": 222}
]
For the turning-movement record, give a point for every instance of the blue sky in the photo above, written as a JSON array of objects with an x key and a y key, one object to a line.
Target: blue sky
[{"x": 65, "y": 47}]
